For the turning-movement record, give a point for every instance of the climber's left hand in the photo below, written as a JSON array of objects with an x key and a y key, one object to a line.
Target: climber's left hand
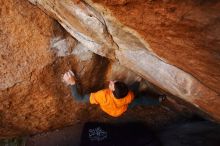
[{"x": 69, "y": 78}]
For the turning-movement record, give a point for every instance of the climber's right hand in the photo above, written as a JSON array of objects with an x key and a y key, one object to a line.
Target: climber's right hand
[{"x": 69, "y": 78}]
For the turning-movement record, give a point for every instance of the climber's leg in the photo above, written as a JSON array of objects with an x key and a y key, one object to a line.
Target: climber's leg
[{"x": 134, "y": 87}]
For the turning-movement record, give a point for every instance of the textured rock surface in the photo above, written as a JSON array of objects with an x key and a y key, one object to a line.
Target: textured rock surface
[
  {"x": 35, "y": 51},
  {"x": 25, "y": 40},
  {"x": 174, "y": 45},
  {"x": 84, "y": 23},
  {"x": 159, "y": 46},
  {"x": 182, "y": 33},
  {"x": 25, "y": 35}
]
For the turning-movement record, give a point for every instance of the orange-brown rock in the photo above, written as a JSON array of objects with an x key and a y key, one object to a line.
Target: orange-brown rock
[
  {"x": 174, "y": 45},
  {"x": 25, "y": 35},
  {"x": 182, "y": 33},
  {"x": 35, "y": 51}
]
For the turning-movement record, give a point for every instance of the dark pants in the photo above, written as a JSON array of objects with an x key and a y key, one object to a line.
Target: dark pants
[{"x": 142, "y": 98}]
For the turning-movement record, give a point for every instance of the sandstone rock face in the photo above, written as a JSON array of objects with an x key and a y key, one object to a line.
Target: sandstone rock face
[
  {"x": 174, "y": 45},
  {"x": 25, "y": 51},
  {"x": 87, "y": 26},
  {"x": 23, "y": 38},
  {"x": 35, "y": 51},
  {"x": 188, "y": 33}
]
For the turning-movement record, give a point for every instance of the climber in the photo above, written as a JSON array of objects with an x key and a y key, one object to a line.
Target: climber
[{"x": 115, "y": 100}]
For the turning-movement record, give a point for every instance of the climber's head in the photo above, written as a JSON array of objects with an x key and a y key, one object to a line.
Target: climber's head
[{"x": 118, "y": 88}]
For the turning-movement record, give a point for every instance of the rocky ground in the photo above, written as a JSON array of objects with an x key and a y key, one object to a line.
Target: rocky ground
[{"x": 155, "y": 117}]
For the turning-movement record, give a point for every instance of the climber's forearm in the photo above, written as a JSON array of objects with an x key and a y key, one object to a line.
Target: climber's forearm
[{"x": 77, "y": 96}]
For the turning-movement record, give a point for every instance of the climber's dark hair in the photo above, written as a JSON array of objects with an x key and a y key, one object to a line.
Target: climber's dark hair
[{"x": 121, "y": 89}]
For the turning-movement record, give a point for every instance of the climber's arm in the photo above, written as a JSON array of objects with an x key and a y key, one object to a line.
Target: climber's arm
[
  {"x": 69, "y": 79},
  {"x": 77, "y": 96},
  {"x": 93, "y": 98}
]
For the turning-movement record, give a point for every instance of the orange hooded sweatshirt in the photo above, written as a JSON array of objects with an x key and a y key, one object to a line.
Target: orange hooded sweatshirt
[{"x": 109, "y": 104}]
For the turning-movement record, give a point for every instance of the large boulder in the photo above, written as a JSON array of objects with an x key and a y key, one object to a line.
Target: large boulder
[
  {"x": 35, "y": 52},
  {"x": 172, "y": 44}
]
